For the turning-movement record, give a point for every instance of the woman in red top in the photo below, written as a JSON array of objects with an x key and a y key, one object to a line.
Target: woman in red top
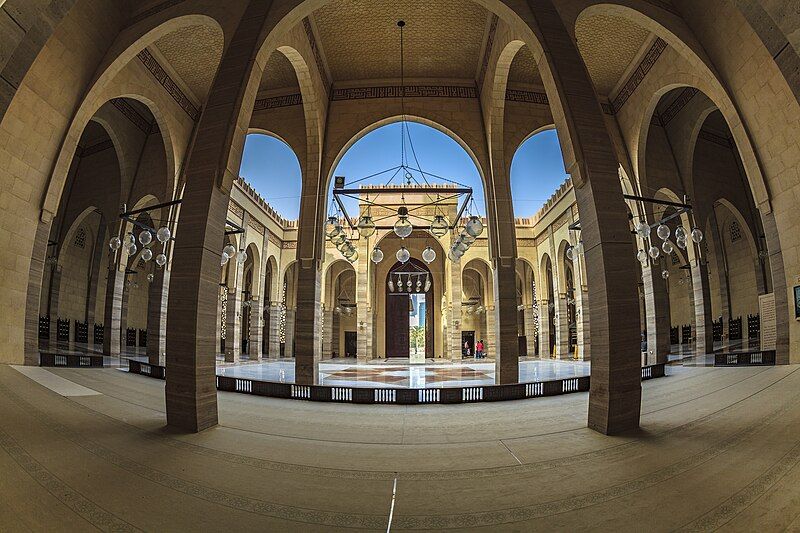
[{"x": 479, "y": 350}]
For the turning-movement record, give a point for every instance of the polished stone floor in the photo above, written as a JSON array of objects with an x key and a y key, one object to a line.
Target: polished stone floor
[
  {"x": 399, "y": 373},
  {"x": 86, "y": 449}
]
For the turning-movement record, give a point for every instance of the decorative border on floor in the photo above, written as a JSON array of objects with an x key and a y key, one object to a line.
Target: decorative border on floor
[{"x": 398, "y": 396}]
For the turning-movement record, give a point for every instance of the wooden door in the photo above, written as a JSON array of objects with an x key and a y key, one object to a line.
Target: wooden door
[
  {"x": 350, "y": 343},
  {"x": 397, "y": 338}
]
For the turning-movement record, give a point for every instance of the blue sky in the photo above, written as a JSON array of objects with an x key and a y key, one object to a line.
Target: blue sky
[{"x": 537, "y": 169}]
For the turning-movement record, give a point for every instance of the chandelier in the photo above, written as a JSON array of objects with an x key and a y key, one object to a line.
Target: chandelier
[
  {"x": 643, "y": 230},
  {"x": 429, "y": 215},
  {"x": 409, "y": 279},
  {"x": 149, "y": 237}
]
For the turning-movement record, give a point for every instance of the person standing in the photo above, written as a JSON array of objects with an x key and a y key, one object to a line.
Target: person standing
[
  {"x": 466, "y": 349},
  {"x": 479, "y": 350}
]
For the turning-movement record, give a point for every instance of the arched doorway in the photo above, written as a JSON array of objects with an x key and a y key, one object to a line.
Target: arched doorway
[{"x": 409, "y": 309}]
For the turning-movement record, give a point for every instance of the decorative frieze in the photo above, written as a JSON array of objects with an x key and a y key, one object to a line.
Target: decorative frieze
[
  {"x": 312, "y": 43},
  {"x": 636, "y": 78},
  {"x": 95, "y": 148},
  {"x": 413, "y": 91},
  {"x": 168, "y": 83},
  {"x": 528, "y": 97},
  {"x": 278, "y": 101},
  {"x": 236, "y": 209},
  {"x": 257, "y": 226},
  {"x": 526, "y": 243},
  {"x": 679, "y": 103},
  {"x": 289, "y": 245},
  {"x": 158, "y": 8},
  {"x": 487, "y": 52},
  {"x": 131, "y": 114},
  {"x": 715, "y": 138},
  {"x": 275, "y": 240}
]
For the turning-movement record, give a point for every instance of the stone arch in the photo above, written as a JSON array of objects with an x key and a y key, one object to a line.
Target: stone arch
[
  {"x": 484, "y": 271},
  {"x": 335, "y": 269},
  {"x": 98, "y": 94},
  {"x": 472, "y": 150},
  {"x": 273, "y": 281}
]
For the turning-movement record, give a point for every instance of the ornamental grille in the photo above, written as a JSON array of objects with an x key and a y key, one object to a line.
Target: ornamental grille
[
  {"x": 282, "y": 327},
  {"x": 735, "y": 231},
  {"x": 535, "y": 307},
  {"x": 223, "y": 326},
  {"x": 80, "y": 238}
]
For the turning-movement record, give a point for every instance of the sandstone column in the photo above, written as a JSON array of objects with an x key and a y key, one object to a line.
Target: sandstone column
[
  {"x": 779, "y": 285},
  {"x": 274, "y": 347},
  {"x": 256, "y": 310},
  {"x": 113, "y": 337},
  {"x": 530, "y": 317},
  {"x": 703, "y": 321},
  {"x": 233, "y": 320},
  {"x": 157, "y": 317},
  {"x": 327, "y": 334},
  {"x": 191, "y": 396},
  {"x": 544, "y": 329},
  {"x": 562, "y": 327},
  {"x": 656, "y": 301},
  {"x": 590, "y": 158},
  {"x": 453, "y": 315},
  {"x": 55, "y": 291},
  {"x": 288, "y": 350},
  {"x": 34, "y": 289}
]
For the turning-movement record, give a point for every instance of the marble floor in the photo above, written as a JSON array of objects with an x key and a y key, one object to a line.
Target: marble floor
[
  {"x": 399, "y": 373},
  {"x": 718, "y": 449}
]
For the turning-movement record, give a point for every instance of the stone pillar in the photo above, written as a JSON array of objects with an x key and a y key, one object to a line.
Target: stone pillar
[
  {"x": 233, "y": 317},
  {"x": 158, "y": 299},
  {"x": 506, "y": 347},
  {"x": 191, "y": 395},
  {"x": 274, "y": 347},
  {"x": 288, "y": 350},
  {"x": 364, "y": 320},
  {"x": 780, "y": 287},
  {"x": 593, "y": 164},
  {"x": 529, "y": 316},
  {"x": 55, "y": 291},
  {"x": 218, "y": 327},
  {"x": 562, "y": 327},
  {"x": 112, "y": 317},
  {"x": 254, "y": 348},
  {"x": 701, "y": 297},
  {"x": 490, "y": 341},
  {"x": 34, "y": 291},
  {"x": 453, "y": 317},
  {"x": 327, "y": 334},
  {"x": 336, "y": 335},
  {"x": 94, "y": 279},
  {"x": 544, "y": 329},
  {"x": 657, "y": 317},
  {"x": 582, "y": 310},
  {"x": 721, "y": 268},
  {"x": 307, "y": 320}
]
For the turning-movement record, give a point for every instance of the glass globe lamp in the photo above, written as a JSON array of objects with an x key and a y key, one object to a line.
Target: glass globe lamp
[
  {"x": 663, "y": 232},
  {"x": 697, "y": 235},
  {"x": 163, "y": 234},
  {"x": 145, "y": 237},
  {"x": 332, "y": 227},
  {"x": 461, "y": 246},
  {"x": 147, "y": 254},
  {"x": 439, "y": 226},
  {"x": 241, "y": 257},
  {"x": 474, "y": 226},
  {"x": 665, "y": 274},
  {"x": 429, "y": 255},
  {"x": 354, "y": 257},
  {"x": 403, "y": 255},
  {"x": 427, "y": 284},
  {"x": 339, "y": 239},
  {"x": 403, "y": 228},
  {"x": 642, "y": 256},
  {"x": 451, "y": 255},
  {"x": 229, "y": 250},
  {"x": 654, "y": 252},
  {"x": 642, "y": 230},
  {"x": 115, "y": 243},
  {"x": 681, "y": 243},
  {"x": 161, "y": 260},
  {"x": 150, "y": 278},
  {"x": 466, "y": 238},
  {"x": 680, "y": 233},
  {"x": 222, "y": 260},
  {"x": 130, "y": 239},
  {"x": 570, "y": 253},
  {"x": 667, "y": 247},
  {"x": 132, "y": 249},
  {"x": 366, "y": 226},
  {"x": 377, "y": 255}
]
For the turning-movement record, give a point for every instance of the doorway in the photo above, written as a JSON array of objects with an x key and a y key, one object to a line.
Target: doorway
[
  {"x": 350, "y": 344},
  {"x": 409, "y": 309},
  {"x": 467, "y": 342}
]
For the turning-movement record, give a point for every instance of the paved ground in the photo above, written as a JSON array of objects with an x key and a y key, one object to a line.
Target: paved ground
[{"x": 718, "y": 448}]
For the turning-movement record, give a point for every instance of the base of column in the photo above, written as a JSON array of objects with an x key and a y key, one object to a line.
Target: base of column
[{"x": 613, "y": 416}]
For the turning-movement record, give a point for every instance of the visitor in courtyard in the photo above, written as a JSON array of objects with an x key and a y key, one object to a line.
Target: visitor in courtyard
[
  {"x": 466, "y": 349},
  {"x": 479, "y": 350}
]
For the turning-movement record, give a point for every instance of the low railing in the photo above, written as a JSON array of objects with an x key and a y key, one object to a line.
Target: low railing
[
  {"x": 70, "y": 360},
  {"x": 759, "y": 358},
  {"x": 397, "y": 396}
]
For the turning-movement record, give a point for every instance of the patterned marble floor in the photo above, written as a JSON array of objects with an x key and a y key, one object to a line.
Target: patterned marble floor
[{"x": 348, "y": 373}]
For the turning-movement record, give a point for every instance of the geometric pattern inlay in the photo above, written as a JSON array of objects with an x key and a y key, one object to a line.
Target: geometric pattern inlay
[
  {"x": 394, "y": 91},
  {"x": 637, "y": 76},
  {"x": 167, "y": 82}
]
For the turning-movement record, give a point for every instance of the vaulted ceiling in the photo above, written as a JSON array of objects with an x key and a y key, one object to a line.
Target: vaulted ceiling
[
  {"x": 193, "y": 53},
  {"x": 361, "y": 41}
]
